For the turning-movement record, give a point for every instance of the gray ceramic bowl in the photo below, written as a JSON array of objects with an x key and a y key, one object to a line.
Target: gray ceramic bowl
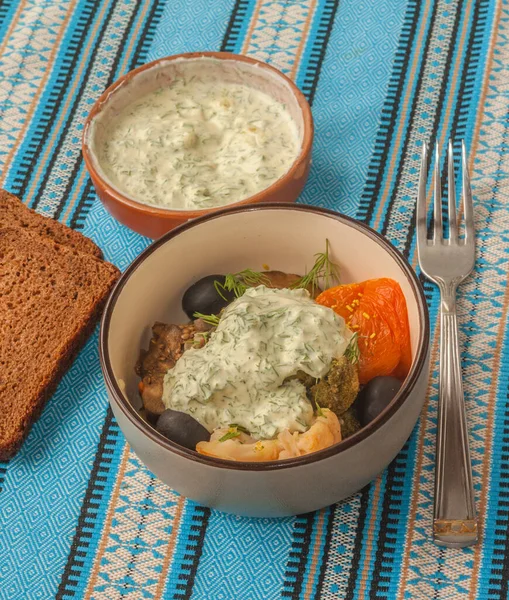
[{"x": 285, "y": 237}]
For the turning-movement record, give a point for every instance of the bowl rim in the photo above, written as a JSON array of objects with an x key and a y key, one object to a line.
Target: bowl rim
[
  {"x": 167, "y": 213},
  {"x": 408, "y": 385}
]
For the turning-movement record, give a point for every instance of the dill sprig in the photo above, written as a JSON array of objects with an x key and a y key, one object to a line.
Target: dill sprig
[
  {"x": 239, "y": 282},
  {"x": 323, "y": 270},
  {"x": 352, "y": 352},
  {"x": 319, "y": 411},
  {"x": 210, "y": 319}
]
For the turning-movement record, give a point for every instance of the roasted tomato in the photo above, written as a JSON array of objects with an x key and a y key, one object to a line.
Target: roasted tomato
[{"x": 376, "y": 310}]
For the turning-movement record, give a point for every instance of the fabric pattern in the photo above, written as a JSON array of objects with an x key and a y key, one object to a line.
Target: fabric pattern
[{"x": 80, "y": 516}]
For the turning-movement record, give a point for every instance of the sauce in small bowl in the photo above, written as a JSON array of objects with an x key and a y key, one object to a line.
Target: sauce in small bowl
[{"x": 185, "y": 135}]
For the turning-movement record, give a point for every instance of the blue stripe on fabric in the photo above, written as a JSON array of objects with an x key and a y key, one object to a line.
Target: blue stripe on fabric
[
  {"x": 179, "y": 569},
  {"x": 101, "y": 227},
  {"x": 78, "y": 189},
  {"x": 191, "y": 26},
  {"x": 405, "y": 126},
  {"x": 450, "y": 91},
  {"x": 493, "y": 567},
  {"x": 402, "y": 64},
  {"x": 139, "y": 17},
  {"x": 297, "y": 555},
  {"x": 310, "y": 67},
  {"x": 97, "y": 516},
  {"x": 150, "y": 29},
  {"x": 23, "y": 160},
  {"x": 496, "y": 516},
  {"x": 311, "y": 55},
  {"x": 7, "y": 11},
  {"x": 482, "y": 49},
  {"x": 463, "y": 129},
  {"x": 70, "y": 425},
  {"x": 36, "y": 509},
  {"x": 392, "y": 525},
  {"x": 243, "y": 558},
  {"x": 87, "y": 196},
  {"x": 469, "y": 102},
  {"x": 342, "y": 548},
  {"x": 121, "y": 247},
  {"x": 392, "y": 588},
  {"x": 371, "y": 526},
  {"x": 238, "y": 26},
  {"x": 316, "y": 555},
  {"x": 393, "y": 554},
  {"x": 359, "y": 39}
]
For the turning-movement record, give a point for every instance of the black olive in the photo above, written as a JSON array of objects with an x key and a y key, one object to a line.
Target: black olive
[
  {"x": 203, "y": 297},
  {"x": 374, "y": 397},
  {"x": 181, "y": 428}
]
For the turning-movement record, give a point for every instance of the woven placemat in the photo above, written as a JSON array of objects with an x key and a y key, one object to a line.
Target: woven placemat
[{"x": 80, "y": 516}]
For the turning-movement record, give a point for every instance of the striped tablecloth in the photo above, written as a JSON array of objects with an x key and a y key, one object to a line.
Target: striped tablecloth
[{"x": 80, "y": 517}]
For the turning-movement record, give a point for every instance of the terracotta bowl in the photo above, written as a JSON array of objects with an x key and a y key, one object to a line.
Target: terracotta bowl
[
  {"x": 155, "y": 221},
  {"x": 286, "y": 237}
]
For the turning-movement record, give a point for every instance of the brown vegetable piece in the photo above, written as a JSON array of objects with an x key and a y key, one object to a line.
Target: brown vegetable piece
[
  {"x": 307, "y": 380},
  {"x": 202, "y": 326},
  {"x": 151, "y": 390},
  {"x": 349, "y": 423},
  {"x": 339, "y": 388},
  {"x": 280, "y": 280},
  {"x": 164, "y": 349},
  {"x": 165, "y": 344}
]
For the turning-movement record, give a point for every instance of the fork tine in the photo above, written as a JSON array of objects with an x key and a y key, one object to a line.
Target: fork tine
[
  {"x": 453, "y": 219},
  {"x": 422, "y": 234},
  {"x": 468, "y": 206},
  {"x": 437, "y": 214}
]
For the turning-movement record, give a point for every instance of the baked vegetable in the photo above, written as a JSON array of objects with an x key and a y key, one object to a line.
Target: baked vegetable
[{"x": 376, "y": 311}]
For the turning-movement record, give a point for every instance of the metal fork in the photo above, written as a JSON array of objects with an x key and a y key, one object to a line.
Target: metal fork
[{"x": 447, "y": 262}]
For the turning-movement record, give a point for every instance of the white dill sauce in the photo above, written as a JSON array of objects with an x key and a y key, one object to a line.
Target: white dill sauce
[
  {"x": 239, "y": 376},
  {"x": 199, "y": 143}
]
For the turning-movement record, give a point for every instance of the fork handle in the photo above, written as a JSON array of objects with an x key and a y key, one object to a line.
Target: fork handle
[{"x": 455, "y": 520}]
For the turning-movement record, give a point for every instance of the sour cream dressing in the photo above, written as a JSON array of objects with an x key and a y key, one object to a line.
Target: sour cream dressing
[
  {"x": 240, "y": 376},
  {"x": 199, "y": 143}
]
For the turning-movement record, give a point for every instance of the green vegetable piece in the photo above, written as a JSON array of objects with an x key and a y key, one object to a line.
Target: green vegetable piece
[
  {"x": 233, "y": 432},
  {"x": 339, "y": 388},
  {"x": 239, "y": 427},
  {"x": 349, "y": 423},
  {"x": 352, "y": 352},
  {"x": 210, "y": 319},
  {"x": 323, "y": 270},
  {"x": 239, "y": 282}
]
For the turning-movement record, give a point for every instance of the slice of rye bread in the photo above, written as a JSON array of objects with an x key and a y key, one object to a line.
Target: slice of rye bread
[
  {"x": 51, "y": 297},
  {"x": 13, "y": 213}
]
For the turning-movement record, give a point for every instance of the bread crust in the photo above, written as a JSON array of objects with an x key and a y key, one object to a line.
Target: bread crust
[{"x": 13, "y": 213}]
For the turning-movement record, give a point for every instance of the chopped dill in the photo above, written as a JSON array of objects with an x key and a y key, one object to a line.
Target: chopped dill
[
  {"x": 210, "y": 319},
  {"x": 352, "y": 352},
  {"x": 239, "y": 282},
  {"x": 324, "y": 270},
  {"x": 239, "y": 427},
  {"x": 232, "y": 432},
  {"x": 319, "y": 410}
]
